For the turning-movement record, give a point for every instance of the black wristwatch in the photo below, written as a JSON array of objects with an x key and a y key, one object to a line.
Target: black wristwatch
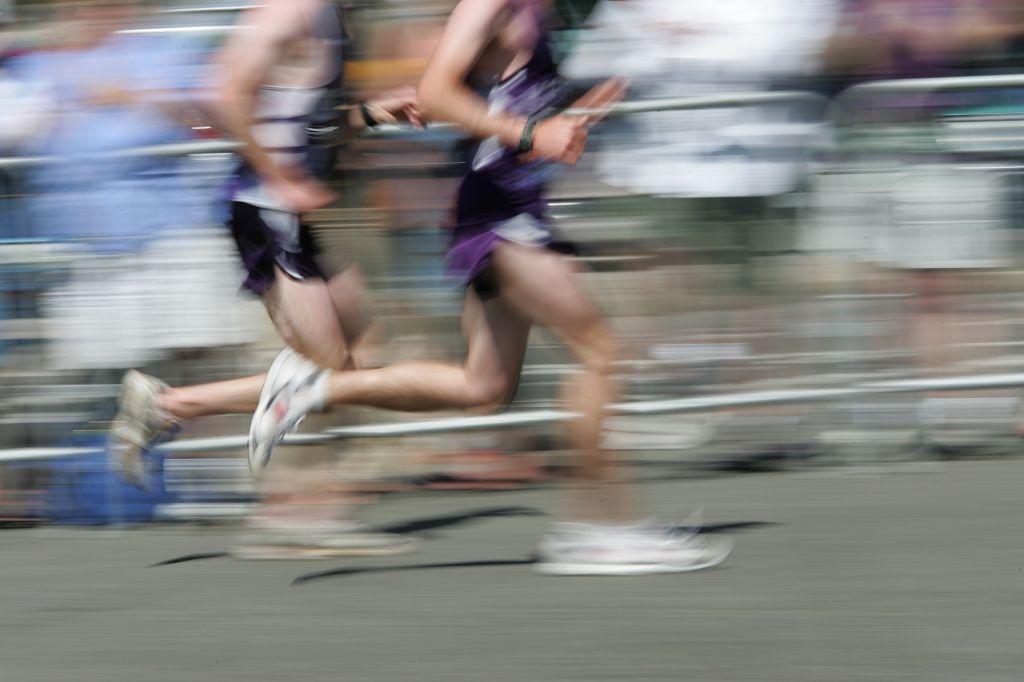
[
  {"x": 368, "y": 118},
  {"x": 526, "y": 137}
]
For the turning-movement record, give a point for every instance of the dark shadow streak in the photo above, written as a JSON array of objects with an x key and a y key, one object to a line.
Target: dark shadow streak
[
  {"x": 419, "y": 526},
  {"x": 190, "y": 557},
  {"x": 353, "y": 570},
  {"x": 726, "y": 527},
  {"x": 430, "y": 523}
]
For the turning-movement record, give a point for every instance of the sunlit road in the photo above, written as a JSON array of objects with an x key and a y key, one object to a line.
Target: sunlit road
[{"x": 896, "y": 577}]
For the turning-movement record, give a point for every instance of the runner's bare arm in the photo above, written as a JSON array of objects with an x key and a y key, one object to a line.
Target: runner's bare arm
[
  {"x": 443, "y": 92},
  {"x": 243, "y": 66},
  {"x": 397, "y": 106}
]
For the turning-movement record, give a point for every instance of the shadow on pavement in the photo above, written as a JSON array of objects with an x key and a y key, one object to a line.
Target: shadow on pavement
[
  {"x": 727, "y": 527},
  {"x": 356, "y": 570},
  {"x": 413, "y": 526},
  {"x": 189, "y": 557},
  {"x": 353, "y": 570},
  {"x": 449, "y": 520}
]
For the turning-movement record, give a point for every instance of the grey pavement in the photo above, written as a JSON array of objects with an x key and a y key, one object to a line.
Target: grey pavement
[{"x": 836, "y": 577}]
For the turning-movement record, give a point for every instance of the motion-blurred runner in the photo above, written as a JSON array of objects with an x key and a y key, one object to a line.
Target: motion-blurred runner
[{"x": 273, "y": 74}]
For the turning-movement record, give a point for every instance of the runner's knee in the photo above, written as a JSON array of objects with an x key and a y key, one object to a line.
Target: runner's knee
[
  {"x": 326, "y": 350},
  {"x": 303, "y": 315},
  {"x": 332, "y": 353},
  {"x": 490, "y": 394},
  {"x": 337, "y": 358},
  {"x": 596, "y": 348}
]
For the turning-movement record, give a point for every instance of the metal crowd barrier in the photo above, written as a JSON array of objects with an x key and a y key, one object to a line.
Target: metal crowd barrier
[
  {"x": 619, "y": 109},
  {"x": 744, "y": 399},
  {"x": 928, "y": 85},
  {"x": 177, "y": 149},
  {"x": 539, "y": 417}
]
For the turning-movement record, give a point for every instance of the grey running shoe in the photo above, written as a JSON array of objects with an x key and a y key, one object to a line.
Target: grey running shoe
[
  {"x": 585, "y": 549},
  {"x": 139, "y": 425},
  {"x": 294, "y": 544}
]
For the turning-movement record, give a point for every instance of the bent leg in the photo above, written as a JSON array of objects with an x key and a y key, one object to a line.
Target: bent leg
[
  {"x": 305, "y": 315},
  {"x": 496, "y": 337}
]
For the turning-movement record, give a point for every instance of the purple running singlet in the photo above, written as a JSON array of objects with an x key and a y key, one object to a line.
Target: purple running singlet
[{"x": 501, "y": 197}]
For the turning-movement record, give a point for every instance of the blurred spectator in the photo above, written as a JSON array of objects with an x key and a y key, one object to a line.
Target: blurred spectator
[
  {"x": 921, "y": 38},
  {"x": 19, "y": 101},
  {"x": 106, "y": 92},
  {"x": 932, "y": 220},
  {"x": 21, "y": 105},
  {"x": 692, "y": 48},
  {"x": 717, "y": 168}
]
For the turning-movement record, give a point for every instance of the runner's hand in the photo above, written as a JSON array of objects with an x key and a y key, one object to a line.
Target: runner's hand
[
  {"x": 559, "y": 138},
  {"x": 398, "y": 106},
  {"x": 600, "y": 99},
  {"x": 563, "y": 138}
]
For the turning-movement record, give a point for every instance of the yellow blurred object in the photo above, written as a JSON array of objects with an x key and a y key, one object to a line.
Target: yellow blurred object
[{"x": 385, "y": 69}]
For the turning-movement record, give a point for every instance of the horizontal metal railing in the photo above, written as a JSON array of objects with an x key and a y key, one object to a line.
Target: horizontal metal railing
[
  {"x": 620, "y": 109},
  {"x": 170, "y": 150},
  {"x": 927, "y": 85},
  {"x": 921, "y": 87},
  {"x": 541, "y": 417}
]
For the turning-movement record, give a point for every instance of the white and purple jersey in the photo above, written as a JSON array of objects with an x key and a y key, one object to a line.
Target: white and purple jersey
[
  {"x": 283, "y": 113},
  {"x": 502, "y": 196}
]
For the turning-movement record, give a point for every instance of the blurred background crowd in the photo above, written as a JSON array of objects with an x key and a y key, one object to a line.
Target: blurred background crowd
[{"x": 802, "y": 212}]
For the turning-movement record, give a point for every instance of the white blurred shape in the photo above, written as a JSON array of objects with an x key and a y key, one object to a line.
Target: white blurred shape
[{"x": 699, "y": 48}]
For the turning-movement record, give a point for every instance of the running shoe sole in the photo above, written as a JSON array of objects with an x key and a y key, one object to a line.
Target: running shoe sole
[{"x": 594, "y": 569}]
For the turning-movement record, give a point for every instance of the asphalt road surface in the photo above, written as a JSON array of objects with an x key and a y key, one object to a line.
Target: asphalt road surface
[{"x": 836, "y": 577}]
